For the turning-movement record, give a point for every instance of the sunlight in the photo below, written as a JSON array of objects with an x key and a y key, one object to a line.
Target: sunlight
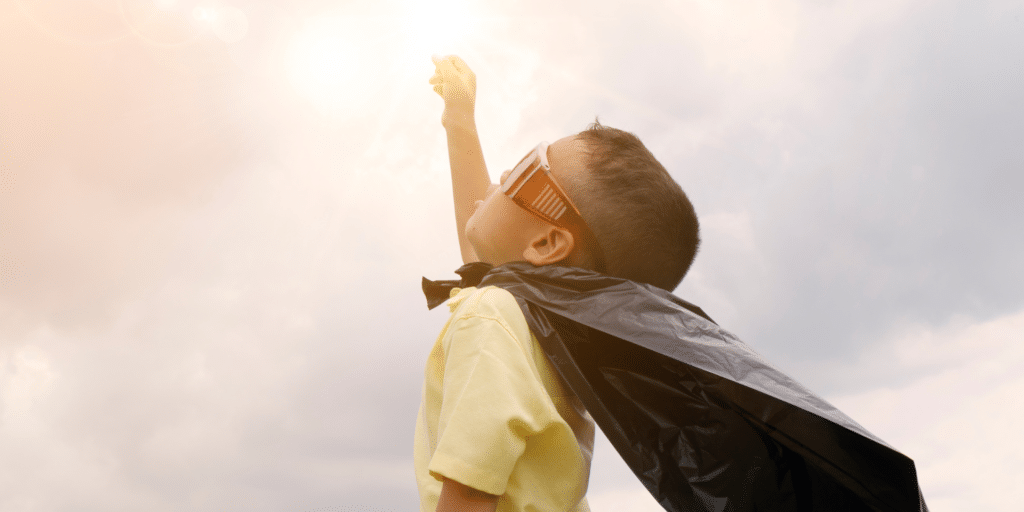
[
  {"x": 337, "y": 61},
  {"x": 438, "y": 26},
  {"x": 370, "y": 67},
  {"x": 77, "y": 23},
  {"x": 228, "y": 23},
  {"x": 325, "y": 61}
]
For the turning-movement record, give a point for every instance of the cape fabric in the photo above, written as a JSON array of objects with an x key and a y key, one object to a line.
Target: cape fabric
[{"x": 701, "y": 419}]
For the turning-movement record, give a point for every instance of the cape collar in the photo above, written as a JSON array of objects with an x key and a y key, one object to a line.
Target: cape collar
[{"x": 439, "y": 291}]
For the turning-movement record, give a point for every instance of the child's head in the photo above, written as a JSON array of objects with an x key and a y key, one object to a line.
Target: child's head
[
  {"x": 644, "y": 223},
  {"x": 642, "y": 218}
]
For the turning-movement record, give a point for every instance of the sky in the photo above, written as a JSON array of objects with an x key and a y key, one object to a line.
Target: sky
[{"x": 214, "y": 217}]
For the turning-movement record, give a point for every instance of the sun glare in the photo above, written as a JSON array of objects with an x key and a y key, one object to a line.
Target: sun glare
[
  {"x": 325, "y": 62},
  {"x": 228, "y": 23},
  {"x": 439, "y": 26},
  {"x": 332, "y": 58}
]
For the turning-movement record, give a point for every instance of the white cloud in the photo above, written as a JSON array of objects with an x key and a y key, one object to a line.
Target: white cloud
[
  {"x": 25, "y": 378},
  {"x": 633, "y": 500},
  {"x": 613, "y": 486},
  {"x": 959, "y": 416},
  {"x": 728, "y": 241}
]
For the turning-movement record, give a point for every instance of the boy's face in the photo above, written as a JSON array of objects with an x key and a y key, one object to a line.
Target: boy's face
[{"x": 499, "y": 230}]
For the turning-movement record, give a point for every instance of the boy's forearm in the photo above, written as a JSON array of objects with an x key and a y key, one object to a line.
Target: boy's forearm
[{"x": 470, "y": 181}]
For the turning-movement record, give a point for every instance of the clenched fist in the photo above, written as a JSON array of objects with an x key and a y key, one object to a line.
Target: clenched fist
[{"x": 456, "y": 83}]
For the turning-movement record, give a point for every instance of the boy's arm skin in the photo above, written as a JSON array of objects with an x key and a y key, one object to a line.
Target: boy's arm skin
[
  {"x": 456, "y": 497},
  {"x": 456, "y": 83}
]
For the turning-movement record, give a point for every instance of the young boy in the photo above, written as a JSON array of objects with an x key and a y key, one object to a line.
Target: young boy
[{"x": 497, "y": 429}]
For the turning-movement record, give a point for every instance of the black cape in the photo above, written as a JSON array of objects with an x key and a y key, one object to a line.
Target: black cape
[{"x": 702, "y": 420}]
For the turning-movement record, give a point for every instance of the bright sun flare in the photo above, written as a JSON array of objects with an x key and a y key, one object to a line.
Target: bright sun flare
[
  {"x": 332, "y": 60},
  {"x": 324, "y": 63}
]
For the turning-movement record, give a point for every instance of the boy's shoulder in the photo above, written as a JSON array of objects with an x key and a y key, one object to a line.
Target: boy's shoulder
[
  {"x": 487, "y": 301},
  {"x": 486, "y": 315},
  {"x": 491, "y": 317}
]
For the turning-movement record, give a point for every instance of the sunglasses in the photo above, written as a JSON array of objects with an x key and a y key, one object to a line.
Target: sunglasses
[{"x": 532, "y": 186}]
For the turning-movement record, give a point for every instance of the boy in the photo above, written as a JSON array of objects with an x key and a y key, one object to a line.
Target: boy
[{"x": 497, "y": 429}]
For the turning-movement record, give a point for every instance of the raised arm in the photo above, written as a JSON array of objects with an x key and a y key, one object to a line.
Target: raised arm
[{"x": 456, "y": 83}]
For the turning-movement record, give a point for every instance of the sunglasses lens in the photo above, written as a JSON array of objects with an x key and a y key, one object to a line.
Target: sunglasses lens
[{"x": 549, "y": 204}]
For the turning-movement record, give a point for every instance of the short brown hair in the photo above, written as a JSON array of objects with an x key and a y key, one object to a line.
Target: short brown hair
[{"x": 640, "y": 216}]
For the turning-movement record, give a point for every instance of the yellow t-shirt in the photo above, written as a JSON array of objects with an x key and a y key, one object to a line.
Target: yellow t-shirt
[{"x": 495, "y": 416}]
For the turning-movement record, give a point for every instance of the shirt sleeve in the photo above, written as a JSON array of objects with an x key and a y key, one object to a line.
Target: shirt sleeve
[{"x": 493, "y": 400}]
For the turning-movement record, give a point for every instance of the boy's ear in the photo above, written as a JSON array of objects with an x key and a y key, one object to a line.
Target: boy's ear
[{"x": 551, "y": 245}]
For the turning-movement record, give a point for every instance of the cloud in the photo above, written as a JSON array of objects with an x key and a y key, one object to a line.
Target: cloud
[
  {"x": 956, "y": 414},
  {"x": 635, "y": 500},
  {"x": 874, "y": 170},
  {"x": 104, "y": 145}
]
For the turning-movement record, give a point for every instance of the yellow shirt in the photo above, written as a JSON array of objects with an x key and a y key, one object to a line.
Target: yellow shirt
[{"x": 495, "y": 416}]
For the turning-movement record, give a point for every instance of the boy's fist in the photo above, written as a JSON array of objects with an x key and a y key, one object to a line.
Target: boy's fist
[{"x": 456, "y": 83}]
